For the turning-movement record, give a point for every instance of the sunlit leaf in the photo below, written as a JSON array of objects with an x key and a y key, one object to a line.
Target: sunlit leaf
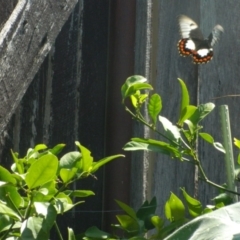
[
  {"x": 174, "y": 208},
  {"x": 202, "y": 111},
  {"x": 194, "y": 206},
  {"x": 154, "y": 106}
]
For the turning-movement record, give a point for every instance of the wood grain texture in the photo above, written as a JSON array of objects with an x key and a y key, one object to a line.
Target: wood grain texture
[
  {"x": 218, "y": 78},
  {"x": 25, "y": 40},
  {"x": 65, "y": 102}
]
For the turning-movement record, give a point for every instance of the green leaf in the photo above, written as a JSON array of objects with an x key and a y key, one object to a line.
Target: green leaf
[
  {"x": 6, "y": 176},
  {"x": 18, "y": 163},
  {"x": 237, "y": 142},
  {"x": 67, "y": 174},
  {"x": 174, "y": 208},
  {"x": 31, "y": 229},
  {"x": 128, "y": 223},
  {"x": 57, "y": 149},
  {"x": 102, "y": 162},
  {"x": 127, "y": 209},
  {"x": 194, "y": 206},
  {"x": 71, "y": 235},
  {"x": 219, "y": 147},
  {"x": 5, "y": 222},
  {"x": 207, "y": 137},
  {"x": 80, "y": 193},
  {"x": 157, "y": 222},
  {"x": 95, "y": 233},
  {"x": 147, "y": 209},
  {"x": 42, "y": 171},
  {"x": 186, "y": 113},
  {"x": 40, "y": 147},
  {"x": 223, "y": 198},
  {"x": 172, "y": 131},
  {"x": 220, "y": 224},
  {"x": 63, "y": 203},
  {"x": 154, "y": 106},
  {"x": 134, "y": 84},
  {"x": 8, "y": 211},
  {"x": 185, "y": 97},
  {"x": 202, "y": 111},
  {"x": 49, "y": 213},
  {"x": 87, "y": 159},
  {"x": 10, "y": 195},
  {"x": 69, "y": 160},
  {"x": 152, "y": 145}
]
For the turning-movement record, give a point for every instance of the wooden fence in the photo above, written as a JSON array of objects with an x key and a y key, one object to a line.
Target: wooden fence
[{"x": 75, "y": 95}]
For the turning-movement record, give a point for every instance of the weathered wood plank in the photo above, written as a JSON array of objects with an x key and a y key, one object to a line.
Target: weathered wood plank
[
  {"x": 25, "y": 40},
  {"x": 165, "y": 174},
  {"x": 218, "y": 78}
]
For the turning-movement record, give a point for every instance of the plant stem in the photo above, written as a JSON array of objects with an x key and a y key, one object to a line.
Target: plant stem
[
  {"x": 58, "y": 231},
  {"x": 151, "y": 127},
  {"x": 205, "y": 179},
  {"x": 8, "y": 231}
]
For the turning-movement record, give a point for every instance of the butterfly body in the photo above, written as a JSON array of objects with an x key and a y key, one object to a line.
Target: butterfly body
[{"x": 193, "y": 43}]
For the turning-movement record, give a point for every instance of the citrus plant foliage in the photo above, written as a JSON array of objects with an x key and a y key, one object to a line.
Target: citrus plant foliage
[{"x": 39, "y": 187}]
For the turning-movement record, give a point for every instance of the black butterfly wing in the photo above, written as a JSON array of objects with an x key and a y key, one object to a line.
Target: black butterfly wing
[
  {"x": 188, "y": 28},
  {"x": 191, "y": 36},
  {"x": 193, "y": 42},
  {"x": 215, "y": 35}
]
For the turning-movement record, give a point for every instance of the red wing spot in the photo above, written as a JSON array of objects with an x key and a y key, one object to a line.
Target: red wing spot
[
  {"x": 200, "y": 60},
  {"x": 182, "y": 48}
]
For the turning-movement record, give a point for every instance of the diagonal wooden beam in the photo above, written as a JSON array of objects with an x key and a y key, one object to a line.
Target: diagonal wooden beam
[{"x": 25, "y": 40}]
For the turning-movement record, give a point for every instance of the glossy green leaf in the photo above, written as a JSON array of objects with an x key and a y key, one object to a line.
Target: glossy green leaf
[
  {"x": 32, "y": 229},
  {"x": 102, "y": 162},
  {"x": 127, "y": 209},
  {"x": 154, "y": 107},
  {"x": 71, "y": 235},
  {"x": 152, "y": 145},
  {"x": 69, "y": 160},
  {"x": 157, "y": 222},
  {"x": 174, "y": 208},
  {"x": 207, "y": 137},
  {"x": 147, "y": 209},
  {"x": 194, "y": 206},
  {"x": 18, "y": 163},
  {"x": 5, "y": 210},
  {"x": 57, "y": 149},
  {"x": 87, "y": 159},
  {"x": 220, "y": 224},
  {"x": 224, "y": 198},
  {"x": 5, "y": 222},
  {"x": 171, "y": 130},
  {"x": 6, "y": 176},
  {"x": 10, "y": 195},
  {"x": 219, "y": 147},
  {"x": 67, "y": 174},
  {"x": 40, "y": 147},
  {"x": 81, "y": 193},
  {"x": 236, "y": 142},
  {"x": 134, "y": 84},
  {"x": 42, "y": 171},
  {"x": 95, "y": 233},
  {"x": 185, "y": 96},
  {"x": 49, "y": 213},
  {"x": 202, "y": 111},
  {"x": 186, "y": 113},
  {"x": 128, "y": 223}
]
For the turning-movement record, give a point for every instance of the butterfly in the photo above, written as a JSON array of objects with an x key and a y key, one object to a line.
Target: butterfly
[{"x": 193, "y": 43}]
